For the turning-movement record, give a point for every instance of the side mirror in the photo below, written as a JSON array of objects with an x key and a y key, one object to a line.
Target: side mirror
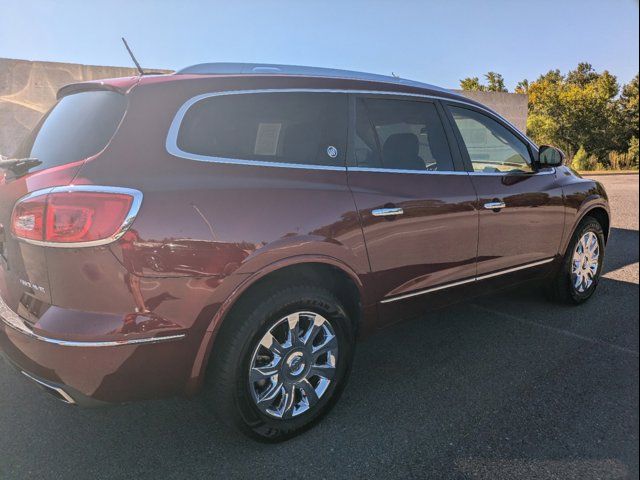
[{"x": 550, "y": 157}]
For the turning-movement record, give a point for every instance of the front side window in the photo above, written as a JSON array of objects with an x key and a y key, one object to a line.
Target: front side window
[
  {"x": 492, "y": 148},
  {"x": 400, "y": 135},
  {"x": 282, "y": 127}
]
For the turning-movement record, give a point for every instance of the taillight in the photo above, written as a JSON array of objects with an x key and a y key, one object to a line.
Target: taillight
[
  {"x": 27, "y": 220},
  {"x": 79, "y": 215}
]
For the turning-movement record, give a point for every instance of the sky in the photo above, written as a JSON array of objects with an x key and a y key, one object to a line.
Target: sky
[{"x": 434, "y": 42}]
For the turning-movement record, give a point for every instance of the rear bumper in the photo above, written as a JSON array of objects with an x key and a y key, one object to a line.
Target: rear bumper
[
  {"x": 63, "y": 393},
  {"x": 96, "y": 372}
]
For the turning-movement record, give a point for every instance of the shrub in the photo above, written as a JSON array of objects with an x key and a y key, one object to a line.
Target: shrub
[
  {"x": 633, "y": 153},
  {"x": 583, "y": 161},
  {"x": 627, "y": 160}
]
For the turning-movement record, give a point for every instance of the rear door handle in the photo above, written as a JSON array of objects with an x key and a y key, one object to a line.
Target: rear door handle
[
  {"x": 387, "y": 212},
  {"x": 495, "y": 205}
]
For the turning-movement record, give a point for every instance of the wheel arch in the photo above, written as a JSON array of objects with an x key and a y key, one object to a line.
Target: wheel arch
[
  {"x": 600, "y": 212},
  {"x": 343, "y": 281},
  {"x": 602, "y": 216}
]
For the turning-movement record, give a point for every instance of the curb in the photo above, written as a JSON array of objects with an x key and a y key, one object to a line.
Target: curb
[{"x": 596, "y": 173}]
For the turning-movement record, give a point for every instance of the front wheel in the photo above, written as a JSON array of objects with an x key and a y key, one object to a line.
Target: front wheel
[
  {"x": 578, "y": 277},
  {"x": 281, "y": 363}
]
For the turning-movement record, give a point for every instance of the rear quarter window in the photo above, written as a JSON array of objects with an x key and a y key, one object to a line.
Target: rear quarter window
[
  {"x": 296, "y": 128},
  {"x": 77, "y": 127}
]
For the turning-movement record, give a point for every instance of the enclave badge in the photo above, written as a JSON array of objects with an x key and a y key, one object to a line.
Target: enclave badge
[{"x": 33, "y": 286}]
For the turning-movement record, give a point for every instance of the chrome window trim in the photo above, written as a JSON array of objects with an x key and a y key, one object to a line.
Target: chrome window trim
[
  {"x": 546, "y": 171},
  {"x": 418, "y": 172},
  {"x": 15, "y": 322},
  {"x": 469, "y": 280},
  {"x": 171, "y": 143},
  {"x": 444, "y": 172},
  {"x": 131, "y": 216},
  {"x": 254, "y": 163}
]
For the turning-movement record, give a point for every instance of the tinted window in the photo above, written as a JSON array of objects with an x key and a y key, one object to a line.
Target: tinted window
[
  {"x": 77, "y": 127},
  {"x": 401, "y": 135},
  {"x": 302, "y": 128},
  {"x": 491, "y": 147}
]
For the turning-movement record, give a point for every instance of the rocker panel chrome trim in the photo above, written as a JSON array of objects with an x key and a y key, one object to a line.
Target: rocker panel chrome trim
[{"x": 469, "y": 280}]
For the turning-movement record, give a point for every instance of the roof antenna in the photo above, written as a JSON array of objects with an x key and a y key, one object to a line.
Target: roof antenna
[{"x": 126, "y": 45}]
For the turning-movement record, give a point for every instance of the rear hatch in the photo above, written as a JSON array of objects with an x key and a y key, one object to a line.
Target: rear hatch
[{"x": 78, "y": 127}]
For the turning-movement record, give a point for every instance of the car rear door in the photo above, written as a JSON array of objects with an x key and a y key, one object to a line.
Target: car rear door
[
  {"x": 416, "y": 204},
  {"x": 521, "y": 210}
]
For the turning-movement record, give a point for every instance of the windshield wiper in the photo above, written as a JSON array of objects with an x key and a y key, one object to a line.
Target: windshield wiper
[{"x": 18, "y": 166}]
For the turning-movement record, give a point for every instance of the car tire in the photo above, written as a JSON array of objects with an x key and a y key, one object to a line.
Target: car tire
[
  {"x": 289, "y": 384},
  {"x": 577, "y": 278}
]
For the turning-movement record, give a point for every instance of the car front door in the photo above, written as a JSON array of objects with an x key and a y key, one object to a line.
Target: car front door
[
  {"x": 415, "y": 201},
  {"x": 521, "y": 211}
]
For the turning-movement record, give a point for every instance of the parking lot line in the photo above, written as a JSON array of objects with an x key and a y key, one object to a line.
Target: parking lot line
[{"x": 560, "y": 331}]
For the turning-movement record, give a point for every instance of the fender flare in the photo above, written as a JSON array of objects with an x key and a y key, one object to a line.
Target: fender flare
[
  {"x": 590, "y": 203},
  {"x": 201, "y": 360}
]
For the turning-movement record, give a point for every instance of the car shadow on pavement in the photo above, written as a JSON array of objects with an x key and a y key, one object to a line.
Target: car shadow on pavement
[
  {"x": 622, "y": 249},
  {"x": 459, "y": 392},
  {"x": 508, "y": 386}
]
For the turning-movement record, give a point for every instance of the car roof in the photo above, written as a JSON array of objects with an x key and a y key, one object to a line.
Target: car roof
[
  {"x": 299, "y": 71},
  {"x": 318, "y": 76}
]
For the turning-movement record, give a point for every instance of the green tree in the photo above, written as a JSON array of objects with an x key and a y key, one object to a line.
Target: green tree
[
  {"x": 522, "y": 87},
  {"x": 472, "y": 84},
  {"x": 633, "y": 152},
  {"x": 495, "y": 82},
  {"x": 583, "y": 75},
  {"x": 552, "y": 76},
  {"x": 582, "y": 161},
  {"x": 577, "y": 110},
  {"x": 629, "y": 108}
]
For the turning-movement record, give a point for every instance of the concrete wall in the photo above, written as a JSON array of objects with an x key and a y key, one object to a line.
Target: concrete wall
[
  {"x": 512, "y": 106},
  {"x": 28, "y": 89}
]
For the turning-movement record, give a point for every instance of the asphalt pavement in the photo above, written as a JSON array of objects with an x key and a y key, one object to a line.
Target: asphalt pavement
[{"x": 503, "y": 387}]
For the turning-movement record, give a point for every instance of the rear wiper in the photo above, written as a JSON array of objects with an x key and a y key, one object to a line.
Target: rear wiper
[{"x": 18, "y": 166}]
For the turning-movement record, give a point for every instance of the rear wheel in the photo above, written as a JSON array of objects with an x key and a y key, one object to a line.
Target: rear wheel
[
  {"x": 578, "y": 277},
  {"x": 281, "y": 363}
]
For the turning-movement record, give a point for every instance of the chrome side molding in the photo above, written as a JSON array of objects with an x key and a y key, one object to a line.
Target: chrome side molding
[
  {"x": 57, "y": 392},
  {"x": 469, "y": 280},
  {"x": 15, "y": 322}
]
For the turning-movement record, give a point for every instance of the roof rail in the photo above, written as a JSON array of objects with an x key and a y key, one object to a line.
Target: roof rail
[{"x": 296, "y": 70}]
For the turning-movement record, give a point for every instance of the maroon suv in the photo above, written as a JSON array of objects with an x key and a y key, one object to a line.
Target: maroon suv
[{"x": 234, "y": 228}]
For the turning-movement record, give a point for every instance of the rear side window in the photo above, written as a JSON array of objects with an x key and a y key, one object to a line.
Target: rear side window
[
  {"x": 77, "y": 127},
  {"x": 299, "y": 128},
  {"x": 400, "y": 135}
]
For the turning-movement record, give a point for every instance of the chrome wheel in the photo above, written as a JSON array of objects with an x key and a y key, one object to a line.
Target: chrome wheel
[
  {"x": 585, "y": 262},
  {"x": 293, "y": 365}
]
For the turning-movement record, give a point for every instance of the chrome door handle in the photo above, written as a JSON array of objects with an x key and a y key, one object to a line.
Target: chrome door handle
[
  {"x": 387, "y": 212},
  {"x": 495, "y": 205}
]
